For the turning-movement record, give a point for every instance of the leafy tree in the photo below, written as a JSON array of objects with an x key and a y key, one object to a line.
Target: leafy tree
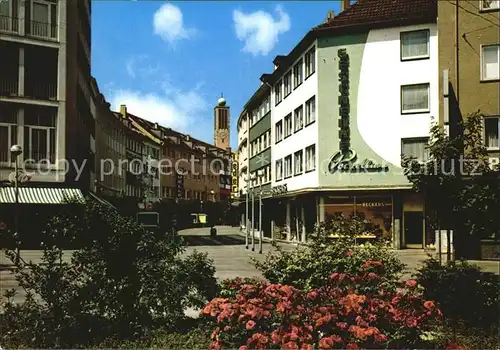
[
  {"x": 122, "y": 282},
  {"x": 461, "y": 190}
]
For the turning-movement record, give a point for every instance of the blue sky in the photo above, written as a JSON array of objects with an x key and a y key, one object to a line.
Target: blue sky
[{"x": 169, "y": 62}]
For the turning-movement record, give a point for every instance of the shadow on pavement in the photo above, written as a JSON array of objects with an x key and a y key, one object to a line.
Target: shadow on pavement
[{"x": 193, "y": 240}]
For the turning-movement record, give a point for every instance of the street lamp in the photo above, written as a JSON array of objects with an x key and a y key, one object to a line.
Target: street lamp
[
  {"x": 260, "y": 174},
  {"x": 16, "y": 151},
  {"x": 247, "y": 221},
  {"x": 252, "y": 178}
]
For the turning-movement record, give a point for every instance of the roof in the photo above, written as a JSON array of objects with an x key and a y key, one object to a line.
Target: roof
[
  {"x": 362, "y": 16},
  {"x": 41, "y": 195}
]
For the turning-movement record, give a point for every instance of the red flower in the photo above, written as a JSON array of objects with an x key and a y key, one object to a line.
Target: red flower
[
  {"x": 243, "y": 347},
  {"x": 411, "y": 283},
  {"x": 372, "y": 275},
  {"x": 352, "y": 346},
  {"x": 306, "y": 347},
  {"x": 342, "y": 325},
  {"x": 411, "y": 322},
  {"x": 326, "y": 343},
  {"x": 380, "y": 338},
  {"x": 395, "y": 300},
  {"x": 349, "y": 253},
  {"x": 215, "y": 345},
  {"x": 250, "y": 325},
  {"x": 312, "y": 295},
  {"x": 290, "y": 346},
  {"x": 454, "y": 346},
  {"x": 429, "y": 305}
]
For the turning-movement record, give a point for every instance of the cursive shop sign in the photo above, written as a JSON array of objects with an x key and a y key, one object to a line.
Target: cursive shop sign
[{"x": 346, "y": 159}]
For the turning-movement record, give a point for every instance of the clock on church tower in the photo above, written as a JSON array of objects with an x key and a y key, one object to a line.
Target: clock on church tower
[{"x": 221, "y": 124}]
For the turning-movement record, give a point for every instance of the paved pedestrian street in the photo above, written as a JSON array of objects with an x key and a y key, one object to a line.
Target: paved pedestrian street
[{"x": 228, "y": 252}]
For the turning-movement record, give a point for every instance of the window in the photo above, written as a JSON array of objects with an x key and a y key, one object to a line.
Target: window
[
  {"x": 288, "y": 166},
  {"x": 8, "y": 133},
  {"x": 311, "y": 110},
  {"x": 490, "y": 62},
  {"x": 279, "y": 169},
  {"x": 415, "y": 98},
  {"x": 44, "y": 19},
  {"x": 264, "y": 108},
  {"x": 288, "y": 125},
  {"x": 487, "y": 5},
  {"x": 287, "y": 83},
  {"x": 298, "y": 74},
  {"x": 311, "y": 158},
  {"x": 40, "y": 136},
  {"x": 278, "y": 93},
  {"x": 415, "y": 148},
  {"x": 492, "y": 132},
  {"x": 298, "y": 161},
  {"x": 279, "y": 131},
  {"x": 310, "y": 62},
  {"x": 265, "y": 140},
  {"x": 255, "y": 117},
  {"x": 299, "y": 118},
  {"x": 415, "y": 45}
]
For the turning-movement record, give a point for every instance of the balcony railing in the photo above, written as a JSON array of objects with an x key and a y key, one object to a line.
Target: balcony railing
[
  {"x": 9, "y": 24},
  {"x": 8, "y": 86},
  {"x": 42, "y": 91},
  {"x": 42, "y": 30}
]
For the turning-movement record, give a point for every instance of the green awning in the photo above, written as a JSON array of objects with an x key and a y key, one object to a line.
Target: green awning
[{"x": 40, "y": 195}]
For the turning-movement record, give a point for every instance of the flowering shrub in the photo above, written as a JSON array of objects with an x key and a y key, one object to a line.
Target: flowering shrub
[
  {"x": 308, "y": 267},
  {"x": 335, "y": 316}
]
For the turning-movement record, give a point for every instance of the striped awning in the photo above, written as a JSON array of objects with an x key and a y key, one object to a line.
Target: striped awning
[{"x": 39, "y": 195}]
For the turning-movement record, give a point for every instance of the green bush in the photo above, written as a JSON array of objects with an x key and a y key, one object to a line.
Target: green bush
[
  {"x": 122, "y": 283},
  {"x": 463, "y": 292},
  {"x": 309, "y": 267}
]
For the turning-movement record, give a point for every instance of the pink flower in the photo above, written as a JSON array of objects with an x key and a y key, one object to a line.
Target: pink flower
[
  {"x": 250, "y": 325},
  {"x": 372, "y": 275},
  {"x": 380, "y": 338},
  {"x": 411, "y": 283},
  {"x": 395, "y": 300},
  {"x": 349, "y": 253},
  {"x": 429, "y": 305}
]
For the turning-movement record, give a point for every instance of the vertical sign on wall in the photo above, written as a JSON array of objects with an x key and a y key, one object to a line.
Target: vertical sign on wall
[
  {"x": 234, "y": 176},
  {"x": 180, "y": 184}
]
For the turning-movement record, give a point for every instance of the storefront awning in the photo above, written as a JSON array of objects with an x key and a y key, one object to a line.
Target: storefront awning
[{"x": 39, "y": 195}]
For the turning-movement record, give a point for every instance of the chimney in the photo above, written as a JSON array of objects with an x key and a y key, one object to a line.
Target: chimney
[
  {"x": 345, "y": 5},
  {"x": 157, "y": 126},
  {"x": 123, "y": 110},
  {"x": 330, "y": 15}
]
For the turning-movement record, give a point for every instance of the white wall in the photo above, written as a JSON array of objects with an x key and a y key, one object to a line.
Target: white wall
[
  {"x": 297, "y": 141},
  {"x": 242, "y": 153},
  {"x": 380, "y": 121}
]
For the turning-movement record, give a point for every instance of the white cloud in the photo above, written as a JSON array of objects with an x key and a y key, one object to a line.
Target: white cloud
[
  {"x": 179, "y": 110},
  {"x": 140, "y": 66},
  {"x": 260, "y": 30},
  {"x": 168, "y": 23}
]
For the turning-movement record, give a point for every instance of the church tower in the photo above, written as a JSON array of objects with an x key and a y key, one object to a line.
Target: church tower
[{"x": 221, "y": 124}]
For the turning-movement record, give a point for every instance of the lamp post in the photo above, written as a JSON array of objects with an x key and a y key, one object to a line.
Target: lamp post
[
  {"x": 252, "y": 178},
  {"x": 247, "y": 221},
  {"x": 260, "y": 174},
  {"x": 16, "y": 151}
]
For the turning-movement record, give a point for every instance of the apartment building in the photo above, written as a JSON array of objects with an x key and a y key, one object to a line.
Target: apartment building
[
  {"x": 111, "y": 149},
  {"x": 469, "y": 65},
  {"x": 45, "y": 91},
  {"x": 355, "y": 93},
  {"x": 242, "y": 130}
]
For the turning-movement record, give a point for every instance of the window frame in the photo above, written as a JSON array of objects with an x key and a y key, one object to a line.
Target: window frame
[
  {"x": 280, "y": 162},
  {"x": 298, "y": 68},
  {"x": 295, "y": 128},
  {"x": 278, "y": 97},
  {"x": 276, "y": 134},
  {"x": 300, "y": 153},
  {"x": 285, "y": 135},
  {"x": 308, "y": 105},
  {"x": 482, "y": 9},
  {"x": 310, "y": 70},
  {"x": 414, "y": 58},
  {"x": 308, "y": 148},
  {"x": 285, "y": 176},
  {"x": 484, "y": 132},
  {"x": 416, "y": 111},
  {"x": 423, "y": 139},
  {"x": 481, "y": 62},
  {"x": 290, "y": 89}
]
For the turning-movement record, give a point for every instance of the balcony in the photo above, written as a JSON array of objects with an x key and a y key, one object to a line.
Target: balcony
[
  {"x": 9, "y": 24},
  {"x": 41, "y": 91},
  {"x": 41, "y": 30},
  {"x": 9, "y": 86}
]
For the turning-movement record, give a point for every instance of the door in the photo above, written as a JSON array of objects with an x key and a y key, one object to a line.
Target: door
[{"x": 414, "y": 229}]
